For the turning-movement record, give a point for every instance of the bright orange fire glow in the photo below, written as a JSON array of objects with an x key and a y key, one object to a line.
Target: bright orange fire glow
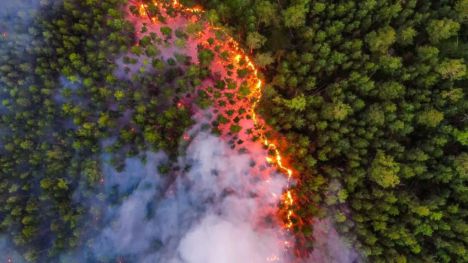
[
  {"x": 256, "y": 94},
  {"x": 142, "y": 9}
]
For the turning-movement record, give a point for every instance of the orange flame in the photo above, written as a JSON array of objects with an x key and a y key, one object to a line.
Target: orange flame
[
  {"x": 287, "y": 199},
  {"x": 142, "y": 9}
]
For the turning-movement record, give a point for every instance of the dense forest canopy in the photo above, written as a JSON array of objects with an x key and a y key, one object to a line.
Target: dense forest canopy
[
  {"x": 369, "y": 95},
  {"x": 373, "y": 93},
  {"x": 60, "y": 100}
]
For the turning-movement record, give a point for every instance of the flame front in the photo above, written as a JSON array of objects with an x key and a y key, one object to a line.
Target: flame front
[{"x": 257, "y": 89}]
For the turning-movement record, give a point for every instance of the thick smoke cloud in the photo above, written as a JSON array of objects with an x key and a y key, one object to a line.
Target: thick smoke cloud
[
  {"x": 212, "y": 211},
  {"x": 216, "y": 207}
]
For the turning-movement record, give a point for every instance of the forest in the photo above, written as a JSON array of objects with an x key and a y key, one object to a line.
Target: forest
[
  {"x": 370, "y": 97},
  {"x": 374, "y": 95}
]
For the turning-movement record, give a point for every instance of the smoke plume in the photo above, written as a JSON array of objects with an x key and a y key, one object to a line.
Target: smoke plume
[{"x": 214, "y": 209}]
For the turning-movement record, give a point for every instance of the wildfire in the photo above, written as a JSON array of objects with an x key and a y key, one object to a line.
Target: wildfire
[
  {"x": 180, "y": 105},
  {"x": 257, "y": 94},
  {"x": 257, "y": 88},
  {"x": 142, "y": 9}
]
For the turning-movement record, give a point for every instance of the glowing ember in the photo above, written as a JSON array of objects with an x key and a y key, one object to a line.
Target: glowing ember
[
  {"x": 240, "y": 56},
  {"x": 142, "y": 9},
  {"x": 9, "y": 260},
  {"x": 256, "y": 86}
]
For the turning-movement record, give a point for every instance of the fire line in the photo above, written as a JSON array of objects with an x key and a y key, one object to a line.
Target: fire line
[{"x": 287, "y": 198}]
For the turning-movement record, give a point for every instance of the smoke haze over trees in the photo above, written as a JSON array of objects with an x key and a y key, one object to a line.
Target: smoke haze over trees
[{"x": 102, "y": 159}]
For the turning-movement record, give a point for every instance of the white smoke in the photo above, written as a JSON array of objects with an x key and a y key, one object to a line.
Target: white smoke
[
  {"x": 214, "y": 209},
  {"x": 217, "y": 239}
]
